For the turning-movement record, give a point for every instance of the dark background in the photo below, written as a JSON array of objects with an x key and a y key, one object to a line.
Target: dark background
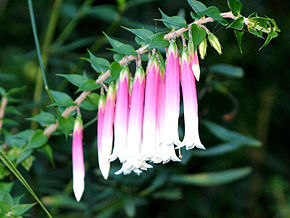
[{"x": 263, "y": 109}]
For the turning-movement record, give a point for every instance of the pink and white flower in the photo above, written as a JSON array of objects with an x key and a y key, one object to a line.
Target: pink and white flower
[
  {"x": 121, "y": 115},
  {"x": 165, "y": 152},
  {"x": 172, "y": 95},
  {"x": 148, "y": 150},
  {"x": 78, "y": 159},
  {"x": 105, "y": 148},
  {"x": 132, "y": 155},
  {"x": 190, "y": 105}
]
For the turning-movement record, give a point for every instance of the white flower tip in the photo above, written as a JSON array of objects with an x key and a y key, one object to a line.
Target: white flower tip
[
  {"x": 196, "y": 71},
  {"x": 200, "y": 146},
  {"x": 105, "y": 168},
  {"x": 78, "y": 188}
]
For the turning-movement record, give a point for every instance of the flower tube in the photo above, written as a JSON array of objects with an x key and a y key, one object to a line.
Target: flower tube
[
  {"x": 105, "y": 148},
  {"x": 121, "y": 115},
  {"x": 165, "y": 152},
  {"x": 134, "y": 139},
  {"x": 148, "y": 150},
  {"x": 78, "y": 159},
  {"x": 194, "y": 60},
  {"x": 191, "y": 137},
  {"x": 101, "y": 110},
  {"x": 172, "y": 94}
]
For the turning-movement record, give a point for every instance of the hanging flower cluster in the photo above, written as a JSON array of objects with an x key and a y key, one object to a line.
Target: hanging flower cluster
[
  {"x": 138, "y": 120},
  {"x": 145, "y": 118}
]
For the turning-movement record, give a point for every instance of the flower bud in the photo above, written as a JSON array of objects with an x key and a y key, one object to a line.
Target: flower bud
[
  {"x": 194, "y": 60},
  {"x": 202, "y": 48},
  {"x": 214, "y": 41}
]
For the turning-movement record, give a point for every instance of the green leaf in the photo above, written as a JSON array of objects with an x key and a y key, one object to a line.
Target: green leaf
[
  {"x": 18, "y": 175},
  {"x": 212, "y": 178},
  {"x": 143, "y": 34},
  {"x": 227, "y": 70},
  {"x": 12, "y": 110},
  {"x": 63, "y": 201},
  {"x": 88, "y": 85},
  {"x": 4, "y": 206},
  {"x": 37, "y": 140},
  {"x": 27, "y": 163},
  {"x": 158, "y": 41},
  {"x": 255, "y": 32},
  {"x": 48, "y": 151},
  {"x": 75, "y": 79},
  {"x": 43, "y": 118},
  {"x": 130, "y": 207},
  {"x": 114, "y": 43},
  {"x": 19, "y": 139},
  {"x": 20, "y": 209},
  {"x": 93, "y": 98},
  {"x": 23, "y": 155},
  {"x": 118, "y": 57},
  {"x": 214, "y": 13},
  {"x": 125, "y": 49},
  {"x": 197, "y": 6},
  {"x": 104, "y": 12},
  {"x": 2, "y": 91},
  {"x": 66, "y": 124},
  {"x": 169, "y": 194},
  {"x": 239, "y": 37},
  {"x": 194, "y": 15},
  {"x": 61, "y": 99},
  {"x": 174, "y": 22},
  {"x": 115, "y": 70},
  {"x": 98, "y": 64},
  {"x": 230, "y": 136},
  {"x": 217, "y": 150},
  {"x": 270, "y": 36},
  {"x": 237, "y": 24},
  {"x": 235, "y": 6},
  {"x": 15, "y": 90},
  {"x": 198, "y": 35}
]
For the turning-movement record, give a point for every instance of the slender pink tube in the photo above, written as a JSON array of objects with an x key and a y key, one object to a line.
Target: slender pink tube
[
  {"x": 148, "y": 150},
  {"x": 172, "y": 94},
  {"x": 121, "y": 115},
  {"x": 191, "y": 137},
  {"x": 78, "y": 159},
  {"x": 104, "y": 151},
  {"x": 165, "y": 152}
]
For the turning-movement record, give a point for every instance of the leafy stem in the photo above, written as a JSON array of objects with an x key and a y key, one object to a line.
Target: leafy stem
[{"x": 139, "y": 51}]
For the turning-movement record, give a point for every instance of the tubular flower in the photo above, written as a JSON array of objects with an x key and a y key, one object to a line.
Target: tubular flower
[
  {"x": 172, "y": 95},
  {"x": 191, "y": 138},
  {"x": 194, "y": 60},
  {"x": 121, "y": 115},
  {"x": 78, "y": 159},
  {"x": 165, "y": 152},
  {"x": 148, "y": 150},
  {"x": 105, "y": 148},
  {"x": 134, "y": 139}
]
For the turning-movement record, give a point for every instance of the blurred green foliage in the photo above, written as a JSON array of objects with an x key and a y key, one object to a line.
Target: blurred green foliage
[{"x": 247, "y": 93}]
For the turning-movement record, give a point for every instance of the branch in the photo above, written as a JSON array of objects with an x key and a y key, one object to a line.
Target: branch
[
  {"x": 2, "y": 109},
  {"x": 49, "y": 130}
]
